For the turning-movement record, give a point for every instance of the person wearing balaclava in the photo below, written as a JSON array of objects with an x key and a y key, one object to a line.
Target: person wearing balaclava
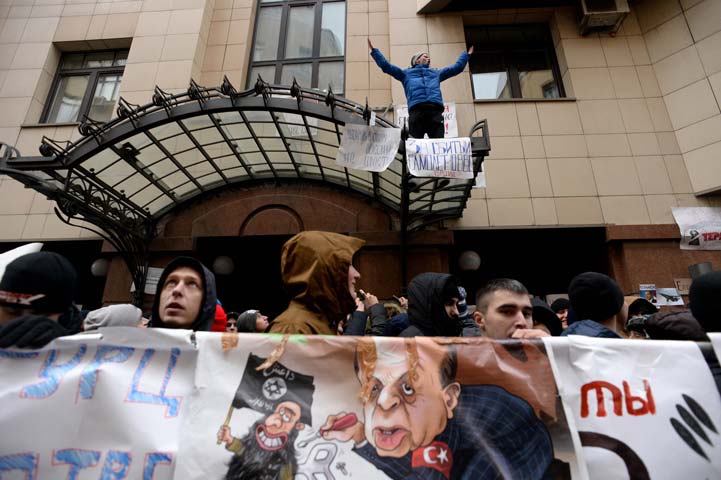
[
  {"x": 35, "y": 290},
  {"x": 422, "y": 86},
  {"x": 433, "y": 306}
]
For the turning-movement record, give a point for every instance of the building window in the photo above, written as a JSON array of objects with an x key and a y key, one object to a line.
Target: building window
[
  {"x": 516, "y": 61},
  {"x": 85, "y": 84},
  {"x": 301, "y": 39}
]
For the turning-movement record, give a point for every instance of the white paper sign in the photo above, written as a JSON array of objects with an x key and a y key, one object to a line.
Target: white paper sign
[
  {"x": 638, "y": 411},
  {"x": 440, "y": 157},
  {"x": 368, "y": 148},
  {"x": 296, "y": 127},
  {"x": 700, "y": 227},
  {"x": 449, "y": 118},
  {"x": 151, "y": 281}
]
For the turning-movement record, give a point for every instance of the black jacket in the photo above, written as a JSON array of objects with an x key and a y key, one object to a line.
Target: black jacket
[
  {"x": 674, "y": 325},
  {"x": 426, "y": 306},
  {"x": 358, "y": 323},
  {"x": 206, "y": 315}
]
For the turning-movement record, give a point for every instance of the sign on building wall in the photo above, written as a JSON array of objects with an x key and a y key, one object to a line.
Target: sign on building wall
[
  {"x": 450, "y": 121},
  {"x": 700, "y": 227},
  {"x": 159, "y": 404},
  {"x": 440, "y": 157},
  {"x": 368, "y": 148}
]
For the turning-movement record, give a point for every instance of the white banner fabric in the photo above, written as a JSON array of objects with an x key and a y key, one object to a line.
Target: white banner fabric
[
  {"x": 445, "y": 158},
  {"x": 102, "y": 405},
  {"x": 129, "y": 403},
  {"x": 643, "y": 409},
  {"x": 368, "y": 148}
]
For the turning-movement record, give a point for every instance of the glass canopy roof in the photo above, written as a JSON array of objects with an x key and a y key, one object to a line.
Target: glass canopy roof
[{"x": 152, "y": 159}]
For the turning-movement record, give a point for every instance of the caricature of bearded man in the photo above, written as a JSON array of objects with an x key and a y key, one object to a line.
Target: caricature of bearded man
[
  {"x": 284, "y": 397},
  {"x": 268, "y": 451}
]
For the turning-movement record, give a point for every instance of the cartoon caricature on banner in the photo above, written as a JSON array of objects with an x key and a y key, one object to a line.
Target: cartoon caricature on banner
[
  {"x": 128, "y": 403},
  {"x": 377, "y": 408}
]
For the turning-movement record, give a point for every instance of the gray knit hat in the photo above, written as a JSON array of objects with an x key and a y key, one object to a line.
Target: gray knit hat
[
  {"x": 415, "y": 57},
  {"x": 121, "y": 315}
]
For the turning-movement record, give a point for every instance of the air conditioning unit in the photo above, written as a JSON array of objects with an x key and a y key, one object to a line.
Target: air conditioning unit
[{"x": 602, "y": 15}]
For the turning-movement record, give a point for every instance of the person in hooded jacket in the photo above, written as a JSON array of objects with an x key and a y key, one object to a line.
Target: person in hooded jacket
[
  {"x": 318, "y": 275},
  {"x": 186, "y": 296},
  {"x": 422, "y": 86},
  {"x": 433, "y": 306}
]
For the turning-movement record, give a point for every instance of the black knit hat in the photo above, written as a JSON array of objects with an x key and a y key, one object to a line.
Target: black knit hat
[
  {"x": 542, "y": 313},
  {"x": 42, "y": 281},
  {"x": 595, "y": 296},
  {"x": 560, "y": 304},
  {"x": 704, "y": 298}
]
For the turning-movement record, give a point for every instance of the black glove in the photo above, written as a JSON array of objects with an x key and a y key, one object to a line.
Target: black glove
[{"x": 31, "y": 331}]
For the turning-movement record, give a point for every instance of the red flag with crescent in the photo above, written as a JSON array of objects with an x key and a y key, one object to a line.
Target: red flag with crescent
[{"x": 435, "y": 455}]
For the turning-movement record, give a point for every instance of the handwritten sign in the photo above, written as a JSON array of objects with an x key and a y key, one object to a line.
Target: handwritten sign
[
  {"x": 296, "y": 128},
  {"x": 634, "y": 402},
  {"x": 450, "y": 122},
  {"x": 368, "y": 148},
  {"x": 102, "y": 406},
  {"x": 447, "y": 157}
]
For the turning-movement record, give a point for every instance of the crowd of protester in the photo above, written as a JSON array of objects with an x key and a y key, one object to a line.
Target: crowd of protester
[{"x": 37, "y": 292}]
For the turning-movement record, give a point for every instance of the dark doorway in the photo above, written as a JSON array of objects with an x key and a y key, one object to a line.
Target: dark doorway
[
  {"x": 255, "y": 282},
  {"x": 544, "y": 260}
]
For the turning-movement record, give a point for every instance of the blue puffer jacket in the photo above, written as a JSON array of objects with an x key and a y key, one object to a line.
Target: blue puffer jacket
[{"x": 421, "y": 83}]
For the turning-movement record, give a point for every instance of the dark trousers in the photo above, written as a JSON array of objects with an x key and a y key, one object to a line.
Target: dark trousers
[{"x": 426, "y": 118}]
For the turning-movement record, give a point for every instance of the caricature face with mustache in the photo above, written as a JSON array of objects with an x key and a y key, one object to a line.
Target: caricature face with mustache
[{"x": 402, "y": 415}]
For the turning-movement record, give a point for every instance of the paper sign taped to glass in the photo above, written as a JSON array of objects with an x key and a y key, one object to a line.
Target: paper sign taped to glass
[
  {"x": 440, "y": 157},
  {"x": 158, "y": 404}
]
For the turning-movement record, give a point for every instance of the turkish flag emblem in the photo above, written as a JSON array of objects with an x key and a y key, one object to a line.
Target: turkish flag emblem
[{"x": 436, "y": 455}]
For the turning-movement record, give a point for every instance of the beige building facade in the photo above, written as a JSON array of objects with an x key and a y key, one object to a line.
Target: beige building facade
[{"x": 632, "y": 129}]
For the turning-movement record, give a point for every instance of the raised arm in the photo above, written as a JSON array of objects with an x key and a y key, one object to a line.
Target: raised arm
[
  {"x": 456, "y": 68},
  {"x": 384, "y": 64}
]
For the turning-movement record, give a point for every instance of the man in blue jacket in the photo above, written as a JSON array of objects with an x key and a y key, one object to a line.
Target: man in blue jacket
[{"x": 422, "y": 85}]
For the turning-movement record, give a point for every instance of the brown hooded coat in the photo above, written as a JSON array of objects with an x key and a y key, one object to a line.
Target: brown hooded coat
[{"x": 314, "y": 267}]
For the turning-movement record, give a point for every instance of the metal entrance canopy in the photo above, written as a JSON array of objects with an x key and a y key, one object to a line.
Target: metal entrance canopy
[{"x": 125, "y": 175}]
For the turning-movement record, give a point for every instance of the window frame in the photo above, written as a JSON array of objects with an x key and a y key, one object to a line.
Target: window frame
[
  {"x": 508, "y": 50},
  {"x": 315, "y": 59},
  {"x": 93, "y": 73}
]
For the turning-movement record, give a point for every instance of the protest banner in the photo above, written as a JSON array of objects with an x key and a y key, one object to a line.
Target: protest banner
[
  {"x": 368, "y": 148},
  {"x": 700, "y": 227},
  {"x": 104, "y": 406},
  {"x": 450, "y": 122},
  {"x": 156, "y": 404},
  {"x": 449, "y": 158},
  {"x": 643, "y": 409}
]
